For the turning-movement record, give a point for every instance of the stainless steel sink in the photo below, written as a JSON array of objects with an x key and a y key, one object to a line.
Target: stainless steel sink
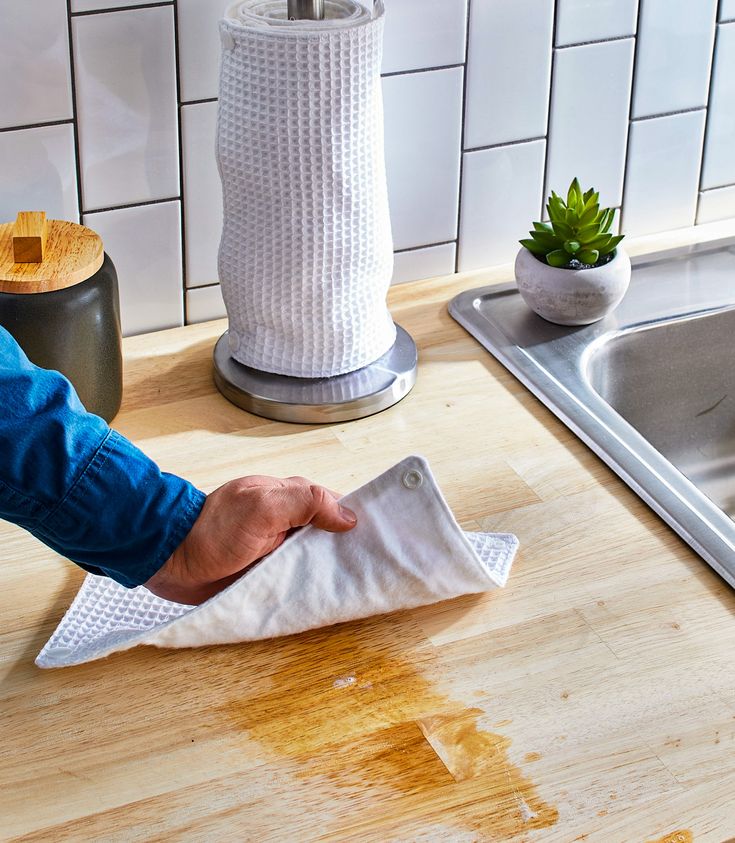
[{"x": 651, "y": 388}]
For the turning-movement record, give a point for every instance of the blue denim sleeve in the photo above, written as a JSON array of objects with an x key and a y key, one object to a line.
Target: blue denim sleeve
[{"x": 80, "y": 487}]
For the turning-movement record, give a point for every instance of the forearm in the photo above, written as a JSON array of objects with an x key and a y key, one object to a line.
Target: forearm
[{"x": 81, "y": 488}]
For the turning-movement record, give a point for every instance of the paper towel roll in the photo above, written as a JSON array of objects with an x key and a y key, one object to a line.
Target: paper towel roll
[{"x": 306, "y": 255}]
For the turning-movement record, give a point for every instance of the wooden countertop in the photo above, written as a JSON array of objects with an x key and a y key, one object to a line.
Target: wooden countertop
[{"x": 592, "y": 699}]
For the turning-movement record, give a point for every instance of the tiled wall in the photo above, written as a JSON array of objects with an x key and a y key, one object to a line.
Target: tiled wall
[{"x": 108, "y": 109}]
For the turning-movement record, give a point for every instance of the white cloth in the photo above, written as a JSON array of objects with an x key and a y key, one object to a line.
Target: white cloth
[
  {"x": 407, "y": 550},
  {"x": 306, "y": 254}
]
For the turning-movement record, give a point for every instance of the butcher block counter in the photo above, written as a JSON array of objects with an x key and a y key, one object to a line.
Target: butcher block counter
[{"x": 591, "y": 699}]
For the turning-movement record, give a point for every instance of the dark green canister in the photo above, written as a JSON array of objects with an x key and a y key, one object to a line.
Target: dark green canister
[{"x": 59, "y": 299}]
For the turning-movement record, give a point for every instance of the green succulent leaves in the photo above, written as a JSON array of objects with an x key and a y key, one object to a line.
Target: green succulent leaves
[{"x": 578, "y": 230}]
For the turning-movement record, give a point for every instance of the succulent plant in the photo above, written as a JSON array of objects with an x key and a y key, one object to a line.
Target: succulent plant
[{"x": 578, "y": 231}]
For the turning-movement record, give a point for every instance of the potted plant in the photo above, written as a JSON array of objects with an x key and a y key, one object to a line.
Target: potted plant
[{"x": 571, "y": 270}]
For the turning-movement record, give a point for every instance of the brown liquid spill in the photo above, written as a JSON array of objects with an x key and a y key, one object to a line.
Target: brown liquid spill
[
  {"x": 679, "y": 836},
  {"x": 353, "y": 709}
]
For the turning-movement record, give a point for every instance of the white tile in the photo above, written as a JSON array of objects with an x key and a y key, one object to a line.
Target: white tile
[
  {"x": 663, "y": 173},
  {"x": 422, "y": 138},
  {"x": 593, "y": 20},
  {"x": 501, "y": 197},
  {"x": 202, "y": 193},
  {"x": 199, "y": 47},
  {"x": 38, "y": 172},
  {"x": 93, "y": 5},
  {"x": 144, "y": 243},
  {"x": 591, "y": 149},
  {"x": 204, "y": 303},
  {"x": 718, "y": 204},
  {"x": 719, "y": 160},
  {"x": 727, "y": 10},
  {"x": 423, "y": 33},
  {"x": 126, "y": 104},
  {"x": 674, "y": 55},
  {"x": 423, "y": 263},
  {"x": 508, "y": 69},
  {"x": 35, "y": 84}
]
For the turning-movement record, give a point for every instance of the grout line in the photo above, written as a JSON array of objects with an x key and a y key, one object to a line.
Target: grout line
[
  {"x": 504, "y": 143},
  {"x": 422, "y": 69},
  {"x": 424, "y": 246},
  {"x": 668, "y": 113},
  {"x": 198, "y": 102},
  {"x": 633, "y": 76},
  {"x": 594, "y": 41},
  {"x": 119, "y": 9},
  {"x": 545, "y": 176},
  {"x": 202, "y": 286},
  {"x": 717, "y": 187},
  {"x": 179, "y": 135},
  {"x": 75, "y": 116},
  {"x": 462, "y": 118},
  {"x": 132, "y": 205},
  {"x": 42, "y": 125},
  {"x": 710, "y": 86}
]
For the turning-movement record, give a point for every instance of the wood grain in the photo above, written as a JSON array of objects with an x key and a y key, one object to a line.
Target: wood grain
[
  {"x": 592, "y": 699},
  {"x": 72, "y": 254}
]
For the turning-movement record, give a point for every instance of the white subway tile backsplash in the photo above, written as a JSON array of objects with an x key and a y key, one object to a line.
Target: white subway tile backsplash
[
  {"x": 204, "y": 303},
  {"x": 663, "y": 173},
  {"x": 144, "y": 243},
  {"x": 126, "y": 103},
  {"x": 501, "y": 198},
  {"x": 727, "y": 9},
  {"x": 38, "y": 172},
  {"x": 508, "y": 70},
  {"x": 595, "y": 20},
  {"x": 35, "y": 81},
  {"x": 674, "y": 55},
  {"x": 589, "y": 118},
  {"x": 422, "y": 139},
  {"x": 199, "y": 47},
  {"x": 423, "y": 263},
  {"x": 124, "y": 123},
  {"x": 202, "y": 193},
  {"x": 718, "y": 204},
  {"x": 423, "y": 33},
  {"x": 719, "y": 151}
]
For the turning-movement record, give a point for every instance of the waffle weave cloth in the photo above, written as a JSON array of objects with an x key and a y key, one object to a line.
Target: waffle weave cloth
[
  {"x": 407, "y": 550},
  {"x": 306, "y": 254}
]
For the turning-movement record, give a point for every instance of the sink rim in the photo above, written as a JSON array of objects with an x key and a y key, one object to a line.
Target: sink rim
[{"x": 654, "y": 478}]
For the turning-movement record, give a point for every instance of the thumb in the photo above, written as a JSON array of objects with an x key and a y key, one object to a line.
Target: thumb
[{"x": 313, "y": 504}]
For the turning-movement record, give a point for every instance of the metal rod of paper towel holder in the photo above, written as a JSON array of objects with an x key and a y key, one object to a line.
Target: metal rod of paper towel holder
[{"x": 305, "y": 9}]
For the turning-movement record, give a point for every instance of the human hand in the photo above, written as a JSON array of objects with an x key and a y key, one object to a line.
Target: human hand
[{"x": 240, "y": 522}]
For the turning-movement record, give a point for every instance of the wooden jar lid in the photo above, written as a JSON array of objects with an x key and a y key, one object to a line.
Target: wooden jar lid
[{"x": 39, "y": 255}]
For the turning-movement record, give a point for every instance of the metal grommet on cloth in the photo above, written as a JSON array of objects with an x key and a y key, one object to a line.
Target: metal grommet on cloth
[{"x": 412, "y": 479}]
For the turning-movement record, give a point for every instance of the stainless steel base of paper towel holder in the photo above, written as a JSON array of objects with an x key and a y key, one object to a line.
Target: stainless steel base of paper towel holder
[{"x": 319, "y": 400}]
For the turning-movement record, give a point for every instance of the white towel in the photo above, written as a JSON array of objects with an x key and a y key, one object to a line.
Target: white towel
[
  {"x": 306, "y": 254},
  {"x": 407, "y": 550}
]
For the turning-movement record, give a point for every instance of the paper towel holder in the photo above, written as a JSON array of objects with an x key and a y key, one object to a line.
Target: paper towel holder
[{"x": 340, "y": 398}]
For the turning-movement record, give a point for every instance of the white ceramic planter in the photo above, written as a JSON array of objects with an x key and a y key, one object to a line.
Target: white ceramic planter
[{"x": 572, "y": 296}]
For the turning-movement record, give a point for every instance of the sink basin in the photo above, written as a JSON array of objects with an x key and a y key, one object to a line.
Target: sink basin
[{"x": 651, "y": 388}]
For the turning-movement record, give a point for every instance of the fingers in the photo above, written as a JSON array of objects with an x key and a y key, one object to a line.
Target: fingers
[
  {"x": 313, "y": 504},
  {"x": 302, "y": 481}
]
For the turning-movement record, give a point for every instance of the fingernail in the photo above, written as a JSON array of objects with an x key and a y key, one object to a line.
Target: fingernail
[{"x": 348, "y": 515}]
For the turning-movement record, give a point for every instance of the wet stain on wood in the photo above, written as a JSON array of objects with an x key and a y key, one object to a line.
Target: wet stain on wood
[
  {"x": 530, "y": 757},
  {"x": 355, "y": 712},
  {"x": 678, "y": 836}
]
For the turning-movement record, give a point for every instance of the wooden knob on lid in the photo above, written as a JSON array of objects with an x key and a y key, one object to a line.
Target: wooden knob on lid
[{"x": 39, "y": 255}]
